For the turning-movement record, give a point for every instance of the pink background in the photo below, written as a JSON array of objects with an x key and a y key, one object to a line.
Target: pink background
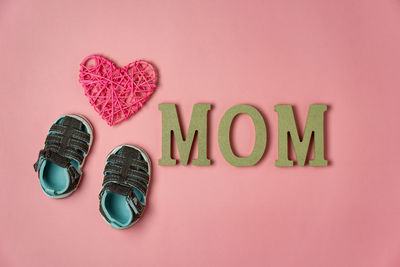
[{"x": 342, "y": 53}]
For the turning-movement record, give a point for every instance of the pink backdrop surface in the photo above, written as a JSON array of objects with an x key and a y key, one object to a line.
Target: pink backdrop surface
[{"x": 342, "y": 53}]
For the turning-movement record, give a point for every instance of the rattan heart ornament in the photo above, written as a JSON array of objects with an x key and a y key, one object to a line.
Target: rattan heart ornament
[{"x": 116, "y": 93}]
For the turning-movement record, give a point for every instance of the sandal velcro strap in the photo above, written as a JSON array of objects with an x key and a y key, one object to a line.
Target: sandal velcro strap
[
  {"x": 53, "y": 157},
  {"x": 73, "y": 173},
  {"x": 138, "y": 205},
  {"x": 128, "y": 193},
  {"x": 116, "y": 188},
  {"x": 125, "y": 191},
  {"x": 59, "y": 160}
]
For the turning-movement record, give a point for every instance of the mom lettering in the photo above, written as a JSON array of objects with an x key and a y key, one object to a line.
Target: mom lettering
[{"x": 287, "y": 132}]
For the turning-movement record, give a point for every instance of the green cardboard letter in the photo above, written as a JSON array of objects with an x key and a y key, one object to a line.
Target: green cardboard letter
[
  {"x": 224, "y": 136},
  {"x": 198, "y": 123},
  {"x": 314, "y": 125}
]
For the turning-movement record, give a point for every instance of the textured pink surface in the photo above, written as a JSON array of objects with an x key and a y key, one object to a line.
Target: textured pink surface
[
  {"x": 343, "y": 53},
  {"x": 116, "y": 93}
]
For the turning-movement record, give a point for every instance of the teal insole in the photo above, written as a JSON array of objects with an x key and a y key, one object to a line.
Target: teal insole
[
  {"x": 117, "y": 208},
  {"x": 55, "y": 178}
]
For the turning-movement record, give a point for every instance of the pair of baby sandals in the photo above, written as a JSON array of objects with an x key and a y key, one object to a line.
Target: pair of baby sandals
[{"x": 126, "y": 172}]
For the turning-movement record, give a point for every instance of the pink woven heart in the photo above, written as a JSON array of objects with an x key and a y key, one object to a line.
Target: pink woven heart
[{"x": 116, "y": 93}]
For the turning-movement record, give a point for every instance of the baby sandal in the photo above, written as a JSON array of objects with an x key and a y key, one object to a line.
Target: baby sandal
[
  {"x": 60, "y": 162},
  {"x": 125, "y": 185}
]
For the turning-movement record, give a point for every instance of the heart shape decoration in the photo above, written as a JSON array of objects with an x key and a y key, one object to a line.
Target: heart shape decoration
[{"x": 116, "y": 93}]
